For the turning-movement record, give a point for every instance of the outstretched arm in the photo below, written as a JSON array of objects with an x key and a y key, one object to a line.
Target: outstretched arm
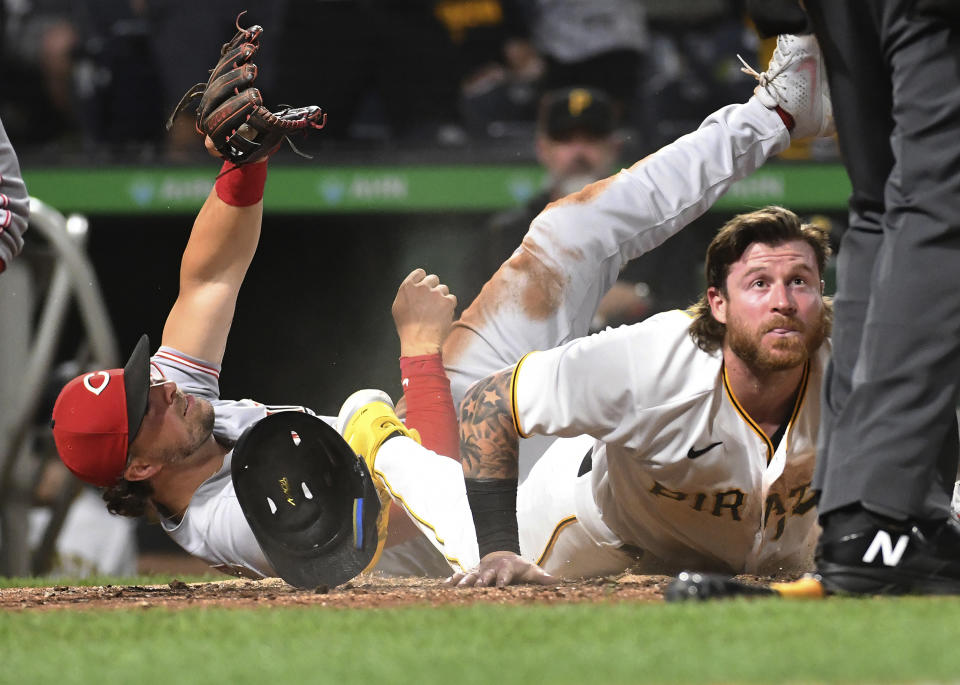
[
  {"x": 14, "y": 203},
  {"x": 489, "y": 449},
  {"x": 221, "y": 246}
]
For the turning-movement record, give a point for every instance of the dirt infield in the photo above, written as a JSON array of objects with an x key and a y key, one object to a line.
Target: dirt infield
[{"x": 361, "y": 592}]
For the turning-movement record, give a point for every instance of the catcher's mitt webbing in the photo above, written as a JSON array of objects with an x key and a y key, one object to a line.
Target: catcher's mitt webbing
[
  {"x": 213, "y": 91},
  {"x": 231, "y": 111},
  {"x": 233, "y": 83}
]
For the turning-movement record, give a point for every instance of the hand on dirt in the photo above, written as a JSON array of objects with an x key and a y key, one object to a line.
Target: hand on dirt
[{"x": 500, "y": 569}]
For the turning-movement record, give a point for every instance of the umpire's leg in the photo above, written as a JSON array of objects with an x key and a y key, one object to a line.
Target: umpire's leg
[
  {"x": 891, "y": 443},
  {"x": 862, "y": 111}
]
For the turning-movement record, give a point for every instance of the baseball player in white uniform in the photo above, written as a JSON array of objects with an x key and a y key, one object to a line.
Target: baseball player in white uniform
[{"x": 696, "y": 451}]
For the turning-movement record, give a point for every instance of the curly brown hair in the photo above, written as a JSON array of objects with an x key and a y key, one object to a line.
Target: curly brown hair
[
  {"x": 129, "y": 498},
  {"x": 769, "y": 226}
]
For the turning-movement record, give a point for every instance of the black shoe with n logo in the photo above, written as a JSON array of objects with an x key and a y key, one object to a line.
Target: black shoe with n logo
[{"x": 868, "y": 554}]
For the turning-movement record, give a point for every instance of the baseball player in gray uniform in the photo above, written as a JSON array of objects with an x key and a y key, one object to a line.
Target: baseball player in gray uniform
[
  {"x": 14, "y": 203},
  {"x": 156, "y": 433}
]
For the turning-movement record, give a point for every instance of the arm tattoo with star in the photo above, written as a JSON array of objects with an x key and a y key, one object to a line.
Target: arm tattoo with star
[{"x": 489, "y": 443}]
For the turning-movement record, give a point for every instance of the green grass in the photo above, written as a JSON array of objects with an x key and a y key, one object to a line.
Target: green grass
[{"x": 844, "y": 641}]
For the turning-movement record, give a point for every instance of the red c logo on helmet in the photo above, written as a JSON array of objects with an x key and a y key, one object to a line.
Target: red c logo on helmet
[{"x": 96, "y": 390}]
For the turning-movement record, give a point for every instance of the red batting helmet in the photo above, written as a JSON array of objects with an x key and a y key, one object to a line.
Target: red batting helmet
[{"x": 97, "y": 415}]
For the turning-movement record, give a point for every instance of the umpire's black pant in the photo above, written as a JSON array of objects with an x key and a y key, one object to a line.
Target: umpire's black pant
[{"x": 889, "y": 431}]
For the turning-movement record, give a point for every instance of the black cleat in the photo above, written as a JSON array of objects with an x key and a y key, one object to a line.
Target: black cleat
[{"x": 880, "y": 556}]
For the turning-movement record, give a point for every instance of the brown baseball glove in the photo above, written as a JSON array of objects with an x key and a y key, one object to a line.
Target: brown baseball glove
[{"x": 231, "y": 111}]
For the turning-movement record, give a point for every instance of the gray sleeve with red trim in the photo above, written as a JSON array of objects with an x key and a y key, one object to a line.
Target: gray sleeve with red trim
[
  {"x": 202, "y": 379},
  {"x": 14, "y": 202},
  {"x": 191, "y": 374}
]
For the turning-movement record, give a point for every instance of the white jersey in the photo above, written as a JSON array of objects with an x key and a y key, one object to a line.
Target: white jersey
[
  {"x": 213, "y": 526},
  {"x": 679, "y": 470},
  {"x": 646, "y": 391}
]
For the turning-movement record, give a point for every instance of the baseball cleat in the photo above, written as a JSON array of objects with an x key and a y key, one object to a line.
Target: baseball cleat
[
  {"x": 872, "y": 555},
  {"x": 708, "y": 586},
  {"x": 367, "y": 420},
  {"x": 796, "y": 82}
]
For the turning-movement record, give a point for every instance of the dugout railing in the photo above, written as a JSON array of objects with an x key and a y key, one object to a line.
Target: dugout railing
[{"x": 38, "y": 292}]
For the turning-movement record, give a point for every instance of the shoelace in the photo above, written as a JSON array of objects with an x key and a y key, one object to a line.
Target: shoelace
[{"x": 768, "y": 77}]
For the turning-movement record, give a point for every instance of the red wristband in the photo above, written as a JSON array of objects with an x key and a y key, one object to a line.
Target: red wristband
[
  {"x": 429, "y": 404},
  {"x": 241, "y": 186}
]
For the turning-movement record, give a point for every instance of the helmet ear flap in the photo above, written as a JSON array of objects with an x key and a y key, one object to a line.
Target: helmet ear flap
[{"x": 309, "y": 500}]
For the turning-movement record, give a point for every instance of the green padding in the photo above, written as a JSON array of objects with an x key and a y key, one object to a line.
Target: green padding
[
  {"x": 308, "y": 190},
  {"x": 800, "y": 187}
]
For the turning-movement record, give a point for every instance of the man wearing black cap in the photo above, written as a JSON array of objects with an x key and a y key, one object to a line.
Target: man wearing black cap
[
  {"x": 576, "y": 143},
  {"x": 576, "y": 139}
]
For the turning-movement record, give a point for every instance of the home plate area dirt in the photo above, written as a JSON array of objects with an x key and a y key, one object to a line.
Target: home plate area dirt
[{"x": 362, "y": 592}]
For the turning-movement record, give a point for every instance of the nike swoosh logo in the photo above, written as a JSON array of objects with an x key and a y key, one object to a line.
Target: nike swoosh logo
[{"x": 693, "y": 454}]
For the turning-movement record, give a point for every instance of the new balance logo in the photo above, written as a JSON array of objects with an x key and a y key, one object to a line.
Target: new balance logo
[{"x": 882, "y": 544}]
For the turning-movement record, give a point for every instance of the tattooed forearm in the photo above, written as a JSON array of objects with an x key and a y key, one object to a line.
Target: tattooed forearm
[{"x": 489, "y": 443}]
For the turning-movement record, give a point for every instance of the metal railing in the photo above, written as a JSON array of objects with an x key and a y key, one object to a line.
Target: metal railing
[{"x": 30, "y": 334}]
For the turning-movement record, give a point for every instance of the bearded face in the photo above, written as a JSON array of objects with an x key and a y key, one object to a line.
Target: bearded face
[
  {"x": 576, "y": 160},
  {"x": 776, "y": 344},
  {"x": 772, "y": 306},
  {"x": 175, "y": 426},
  {"x": 197, "y": 429}
]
